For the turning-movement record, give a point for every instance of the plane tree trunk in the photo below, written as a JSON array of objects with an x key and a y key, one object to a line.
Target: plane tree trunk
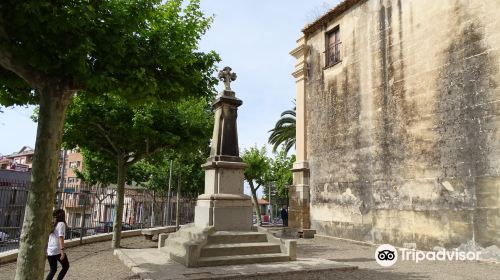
[
  {"x": 256, "y": 202},
  {"x": 120, "y": 191},
  {"x": 54, "y": 101}
]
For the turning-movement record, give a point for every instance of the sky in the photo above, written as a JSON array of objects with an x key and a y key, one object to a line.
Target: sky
[{"x": 254, "y": 37}]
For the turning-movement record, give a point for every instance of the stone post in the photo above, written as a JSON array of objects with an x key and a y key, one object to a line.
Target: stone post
[
  {"x": 299, "y": 191},
  {"x": 224, "y": 205}
]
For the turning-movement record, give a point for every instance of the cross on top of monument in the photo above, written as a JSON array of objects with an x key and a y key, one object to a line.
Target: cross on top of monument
[{"x": 227, "y": 77}]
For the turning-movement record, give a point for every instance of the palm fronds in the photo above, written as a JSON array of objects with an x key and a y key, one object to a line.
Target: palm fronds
[{"x": 283, "y": 132}]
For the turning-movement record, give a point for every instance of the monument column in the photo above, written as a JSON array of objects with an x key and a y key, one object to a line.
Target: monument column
[
  {"x": 224, "y": 205},
  {"x": 299, "y": 192}
]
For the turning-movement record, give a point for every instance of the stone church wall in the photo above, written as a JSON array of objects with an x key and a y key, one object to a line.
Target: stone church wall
[{"x": 403, "y": 136}]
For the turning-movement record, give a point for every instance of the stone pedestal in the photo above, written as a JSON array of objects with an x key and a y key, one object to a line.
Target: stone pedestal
[
  {"x": 299, "y": 197},
  {"x": 223, "y": 205}
]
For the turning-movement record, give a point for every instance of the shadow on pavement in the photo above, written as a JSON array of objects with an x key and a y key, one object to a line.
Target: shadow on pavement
[
  {"x": 337, "y": 275},
  {"x": 353, "y": 260},
  {"x": 377, "y": 275}
]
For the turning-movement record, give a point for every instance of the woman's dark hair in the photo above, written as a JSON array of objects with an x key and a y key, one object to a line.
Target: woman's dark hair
[{"x": 60, "y": 216}]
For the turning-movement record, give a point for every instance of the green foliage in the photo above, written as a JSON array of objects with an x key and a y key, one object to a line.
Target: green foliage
[
  {"x": 281, "y": 170},
  {"x": 15, "y": 91},
  {"x": 110, "y": 126},
  {"x": 283, "y": 132},
  {"x": 258, "y": 169},
  {"x": 137, "y": 49},
  {"x": 188, "y": 171},
  {"x": 97, "y": 170},
  {"x": 262, "y": 170},
  {"x": 148, "y": 136},
  {"x": 257, "y": 172},
  {"x": 154, "y": 173}
]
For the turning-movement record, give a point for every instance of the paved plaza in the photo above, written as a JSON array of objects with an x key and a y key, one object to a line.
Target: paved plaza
[{"x": 96, "y": 261}]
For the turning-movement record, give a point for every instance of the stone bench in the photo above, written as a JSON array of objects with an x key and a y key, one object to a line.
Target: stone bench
[
  {"x": 308, "y": 233},
  {"x": 150, "y": 232}
]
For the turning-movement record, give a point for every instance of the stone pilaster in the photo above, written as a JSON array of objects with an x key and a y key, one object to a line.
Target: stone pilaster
[
  {"x": 299, "y": 191},
  {"x": 299, "y": 197}
]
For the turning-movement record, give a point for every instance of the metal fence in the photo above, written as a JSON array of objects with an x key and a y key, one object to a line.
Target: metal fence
[
  {"x": 90, "y": 210},
  {"x": 13, "y": 194}
]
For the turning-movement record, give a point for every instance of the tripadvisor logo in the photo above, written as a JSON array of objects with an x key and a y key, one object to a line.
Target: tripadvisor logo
[{"x": 387, "y": 255}]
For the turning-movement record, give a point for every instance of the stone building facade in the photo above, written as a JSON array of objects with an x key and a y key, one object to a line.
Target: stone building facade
[{"x": 398, "y": 123}]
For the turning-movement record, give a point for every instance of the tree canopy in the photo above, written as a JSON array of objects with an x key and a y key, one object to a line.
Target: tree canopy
[
  {"x": 281, "y": 173},
  {"x": 137, "y": 49},
  {"x": 109, "y": 125},
  {"x": 153, "y": 173},
  {"x": 98, "y": 171}
]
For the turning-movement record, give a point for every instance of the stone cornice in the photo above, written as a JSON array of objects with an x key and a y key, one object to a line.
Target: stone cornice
[
  {"x": 299, "y": 73},
  {"x": 298, "y": 51}
]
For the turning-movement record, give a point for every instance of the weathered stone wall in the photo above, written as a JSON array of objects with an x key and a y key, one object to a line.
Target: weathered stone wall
[{"x": 403, "y": 136}]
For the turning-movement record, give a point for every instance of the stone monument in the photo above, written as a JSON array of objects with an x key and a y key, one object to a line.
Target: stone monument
[
  {"x": 222, "y": 230},
  {"x": 224, "y": 205}
]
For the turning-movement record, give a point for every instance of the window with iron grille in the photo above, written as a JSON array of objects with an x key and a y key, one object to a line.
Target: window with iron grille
[{"x": 333, "y": 47}]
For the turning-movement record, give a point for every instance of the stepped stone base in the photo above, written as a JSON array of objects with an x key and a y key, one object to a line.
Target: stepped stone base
[
  {"x": 155, "y": 264},
  {"x": 195, "y": 247}
]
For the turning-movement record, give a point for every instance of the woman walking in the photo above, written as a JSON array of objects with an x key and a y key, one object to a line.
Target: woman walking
[{"x": 55, "y": 248}]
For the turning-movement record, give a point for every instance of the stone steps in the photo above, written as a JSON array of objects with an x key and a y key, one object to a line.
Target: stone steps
[
  {"x": 242, "y": 259},
  {"x": 227, "y": 237},
  {"x": 194, "y": 247},
  {"x": 232, "y": 249}
]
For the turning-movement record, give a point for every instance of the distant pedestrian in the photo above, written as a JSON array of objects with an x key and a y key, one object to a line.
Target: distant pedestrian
[
  {"x": 55, "y": 248},
  {"x": 284, "y": 216}
]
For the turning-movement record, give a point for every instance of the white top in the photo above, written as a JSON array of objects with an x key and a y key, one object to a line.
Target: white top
[{"x": 53, "y": 246}]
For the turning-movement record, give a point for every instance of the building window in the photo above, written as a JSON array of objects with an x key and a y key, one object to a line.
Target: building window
[
  {"x": 333, "y": 47},
  {"x": 72, "y": 180},
  {"x": 74, "y": 164}
]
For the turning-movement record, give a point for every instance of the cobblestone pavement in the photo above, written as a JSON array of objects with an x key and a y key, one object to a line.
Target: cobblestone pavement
[
  {"x": 91, "y": 261},
  {"x": 363, "y": 257},
  {"x": 96, "y": 261}
]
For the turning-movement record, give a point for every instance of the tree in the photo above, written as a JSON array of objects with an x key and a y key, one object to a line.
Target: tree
[
  {"x": 283, "y": 132},
  {"x": 187, "y": 176},
  {"x": 281, "y": 174},
  {"x": 257, "y": 173},
  {"x": 51, "y": 50},
  {"x": 110, "y": 128},
  {"x": 97, "y": 171},
  {"x": 154, "y": 172}
]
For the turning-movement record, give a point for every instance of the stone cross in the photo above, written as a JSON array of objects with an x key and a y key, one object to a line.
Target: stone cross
[{"x": 227, "y": 77}]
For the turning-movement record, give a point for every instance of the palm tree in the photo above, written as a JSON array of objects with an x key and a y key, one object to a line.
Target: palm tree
[{"x": 284, "y": 131}]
